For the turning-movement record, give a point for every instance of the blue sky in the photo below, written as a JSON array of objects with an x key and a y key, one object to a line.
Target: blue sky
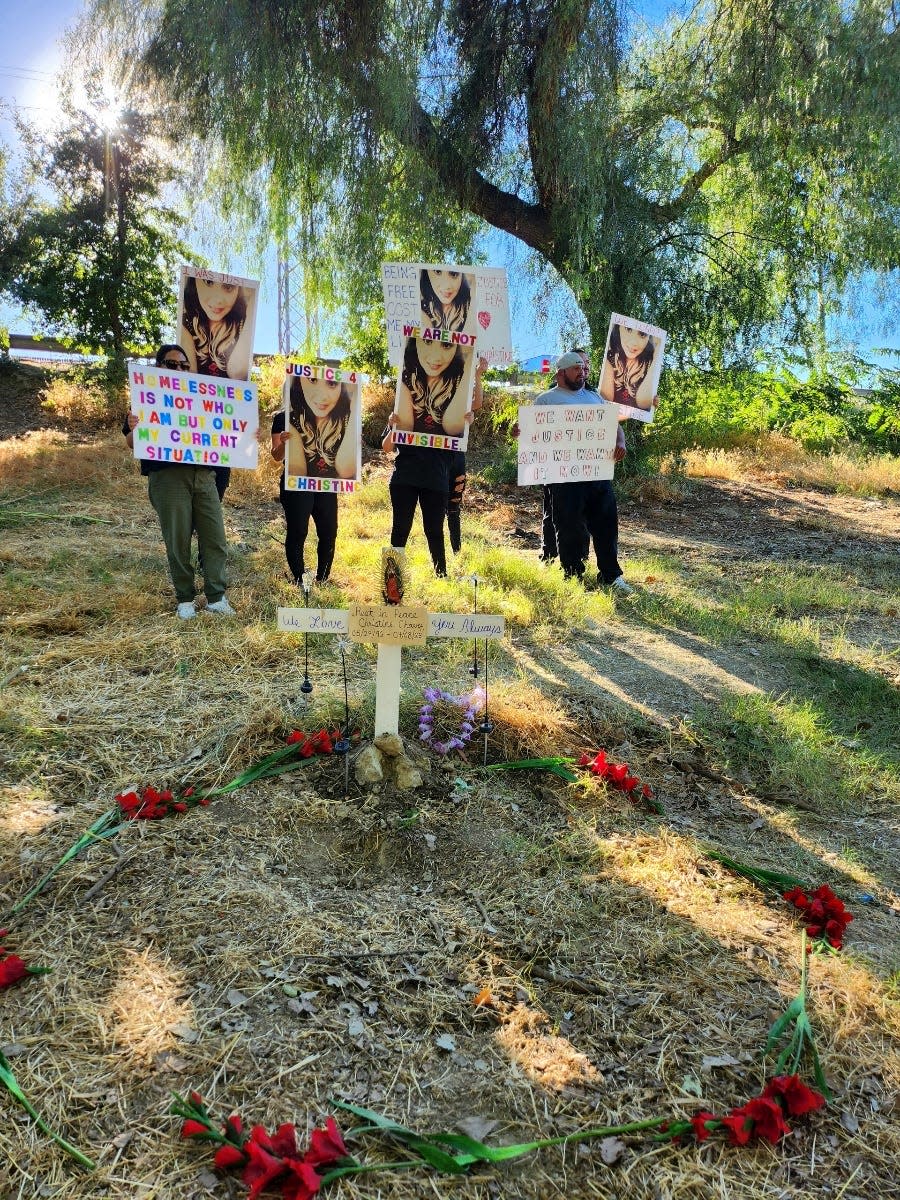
[{"x": 32, "y": 55}]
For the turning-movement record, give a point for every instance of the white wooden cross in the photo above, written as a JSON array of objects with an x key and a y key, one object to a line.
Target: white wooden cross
[{"x": 392, "y": 627}]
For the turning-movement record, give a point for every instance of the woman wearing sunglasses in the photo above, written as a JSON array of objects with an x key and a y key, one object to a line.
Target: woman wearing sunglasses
[{"x": 185, "y": 498}]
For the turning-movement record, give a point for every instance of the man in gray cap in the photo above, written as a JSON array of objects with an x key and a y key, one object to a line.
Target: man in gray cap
[{"x": 590, "y": 503}]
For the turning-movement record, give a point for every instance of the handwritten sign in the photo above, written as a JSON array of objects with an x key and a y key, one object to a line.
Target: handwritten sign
[
  {"x": 389, "y": 624},
  {"x": 466, "y": 625},
  {"x": 313, "y": 620},
  {"x": 195, "y": 420},
  {"x": 566, "y": 443},
  {"x": 487, "y": 317}
]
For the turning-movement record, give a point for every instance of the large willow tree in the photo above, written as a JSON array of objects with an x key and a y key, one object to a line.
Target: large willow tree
[{"x": 716, "y": 174}]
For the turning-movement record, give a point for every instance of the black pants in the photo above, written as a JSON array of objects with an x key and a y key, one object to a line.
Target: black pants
[
  {"x": 591, "y": 504},
  {"x": 454, "y": 502},
  {"x": 298, "y": 508},
  {"x": 434, "y": 505}
]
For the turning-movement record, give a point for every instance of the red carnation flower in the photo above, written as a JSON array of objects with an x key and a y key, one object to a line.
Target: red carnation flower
[
  {"x": 793, "y": 1093},
  {"x": 796, "y": 896},
  {"x": 296, "y": 736}
]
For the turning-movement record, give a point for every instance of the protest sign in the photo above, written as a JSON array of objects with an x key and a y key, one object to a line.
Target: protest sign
[
  {"x": 323, "y": 417},
  {"x": 435, "y": 384},
  {"x": 419, "y": 294},
  {"x": 216, "y": 321},
  {"x": 566, "y": 443},
  {"x": 632, "y": 365},
  {"x": 193, "y": 419}
]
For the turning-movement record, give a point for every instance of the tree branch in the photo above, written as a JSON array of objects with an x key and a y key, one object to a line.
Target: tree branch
[{"x": 504, "y": 210}]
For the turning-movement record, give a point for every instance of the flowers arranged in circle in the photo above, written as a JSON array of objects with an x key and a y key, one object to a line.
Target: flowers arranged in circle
[{"x": 447, "y": 722}]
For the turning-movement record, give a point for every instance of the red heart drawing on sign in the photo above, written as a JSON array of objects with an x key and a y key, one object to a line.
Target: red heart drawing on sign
[{"x": 484, "y": 319}]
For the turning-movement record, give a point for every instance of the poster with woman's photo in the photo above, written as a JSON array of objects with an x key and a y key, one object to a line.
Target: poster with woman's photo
[
  {"x": 216, "y": 321},
  {"x": 434, "y": 391},
  {"x": 457, "y": 299},
  {"x": 632, "y": 366},
  {"x": 323, "y": 417}
]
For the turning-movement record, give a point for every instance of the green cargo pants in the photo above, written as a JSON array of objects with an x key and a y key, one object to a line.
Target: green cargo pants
[{"x": 185, "y": 498}]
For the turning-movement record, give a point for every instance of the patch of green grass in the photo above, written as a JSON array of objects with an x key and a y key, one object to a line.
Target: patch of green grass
[
  {"x": 789, "y": 605},
  {"x": 799, "y": 746}
]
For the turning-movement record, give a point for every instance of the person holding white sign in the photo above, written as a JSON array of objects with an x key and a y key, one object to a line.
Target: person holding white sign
[
  {"x": 590, "y": 503},
  {"x": 321, "y": 441},
  {"x": 185, "y": 498}
]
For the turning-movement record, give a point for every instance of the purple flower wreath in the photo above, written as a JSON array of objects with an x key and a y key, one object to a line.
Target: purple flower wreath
[{"x": 470, "y": 705}]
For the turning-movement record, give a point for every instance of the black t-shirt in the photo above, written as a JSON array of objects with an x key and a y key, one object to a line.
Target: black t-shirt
[{"x": 422, "y": 467}]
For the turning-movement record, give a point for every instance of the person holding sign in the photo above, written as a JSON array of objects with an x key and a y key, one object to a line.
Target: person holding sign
[
  {"x": 445, "y": 298},
  {"x": 185, "y": 498},
  {"x": 321, "y": 442},
  {"x": 590, "y": 503},
  {"x": 216, "y": 335}
]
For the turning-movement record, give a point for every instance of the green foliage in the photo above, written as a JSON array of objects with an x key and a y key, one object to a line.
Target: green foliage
[
  {"x": 96, "y": 262},
  {"x": 727, "y": 174}
]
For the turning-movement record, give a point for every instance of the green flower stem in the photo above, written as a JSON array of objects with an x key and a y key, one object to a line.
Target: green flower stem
[
  {"x": 360, "y": 1168},
  {"x": 101, "y": 828},
  {"x": 8, "y": 1079}
]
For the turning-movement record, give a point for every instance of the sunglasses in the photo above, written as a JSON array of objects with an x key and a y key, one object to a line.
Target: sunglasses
[{"x": 176, "y": 364}]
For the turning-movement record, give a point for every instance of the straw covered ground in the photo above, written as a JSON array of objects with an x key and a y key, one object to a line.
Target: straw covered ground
[{"x": 503, "y": 953}]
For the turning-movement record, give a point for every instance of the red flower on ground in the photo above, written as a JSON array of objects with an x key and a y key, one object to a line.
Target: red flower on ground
[
  {"x": 794, "y": 1095},
  {"x": 193, "y": 1128},
  {"x": 229, "y": 1156},
  {"x": 825, "y": 913},
  {"x": 698, "y": 1120},
  {"x": 12, "y": 969},
  {"x": 270, "y": 1158},
  {"x": 297, "y": 735},
  {"x": 758, "y": 1118},
  {"x": 326, "y": 1146}
]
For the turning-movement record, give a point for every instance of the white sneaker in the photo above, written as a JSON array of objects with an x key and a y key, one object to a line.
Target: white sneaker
[
  {"x": 222, "y": 608},
  {"x": 619, "y": 585},
  {"x": 186, "y": 610}
]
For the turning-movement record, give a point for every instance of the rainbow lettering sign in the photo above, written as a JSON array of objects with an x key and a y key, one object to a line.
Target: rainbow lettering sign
[
  {"x": 447, "y": 297},
  {"x": 195, "y": 420},
  {"x": 323, "y": 417}
]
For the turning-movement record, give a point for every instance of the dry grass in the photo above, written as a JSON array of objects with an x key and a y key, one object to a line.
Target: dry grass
[
  {"x": 781, "y": 460},
  {"x": 290, "y": 944}
]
